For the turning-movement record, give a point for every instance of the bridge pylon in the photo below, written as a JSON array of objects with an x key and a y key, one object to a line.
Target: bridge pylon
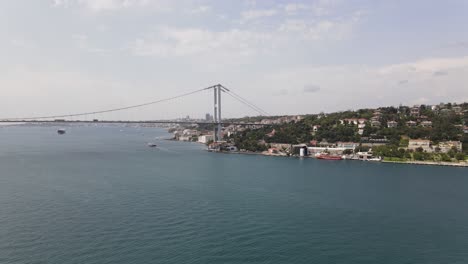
[{"x": 217, "y": 89}]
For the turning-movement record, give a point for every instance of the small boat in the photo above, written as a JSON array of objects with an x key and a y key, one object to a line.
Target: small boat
[
  {"x": 61, "y": 131},
  {"x": 152, "y": 145},
  {"x": 326, "y": 156}
]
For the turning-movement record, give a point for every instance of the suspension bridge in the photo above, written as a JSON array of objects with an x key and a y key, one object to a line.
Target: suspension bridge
[{"x": 217, "y": 121}]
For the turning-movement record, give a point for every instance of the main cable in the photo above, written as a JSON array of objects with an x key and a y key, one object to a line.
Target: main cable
[
  {"x": 110, "y": 110},
  {"x": 252, "y": 106},
  {"x": 245, "y": 101}
]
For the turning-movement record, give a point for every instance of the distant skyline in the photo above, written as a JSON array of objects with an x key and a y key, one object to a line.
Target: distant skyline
[{"x": 288, "y": 57}]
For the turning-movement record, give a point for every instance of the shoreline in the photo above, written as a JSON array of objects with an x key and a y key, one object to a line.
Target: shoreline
[
  {"x": 430, "y": 163},
  {"x": 426, "y": 163}
]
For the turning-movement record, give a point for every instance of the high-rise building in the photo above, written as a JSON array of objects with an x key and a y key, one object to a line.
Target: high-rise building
[{"x": 208, "y": 117}]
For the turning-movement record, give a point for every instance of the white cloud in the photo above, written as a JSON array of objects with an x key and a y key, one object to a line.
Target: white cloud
[
  {"x": 427, "y": 66},
  {"x": 21, "y": 43},
  {"x": 292, "y": 8},
  {"x": 82, "y": 42},
  {"x": 359, "y": 86},
  {"x": 200, "y": 9},
  {"x": 323, "y": 7},
  {"x": 321, "y": 29},
  {"x": 192, "y": 41},
  {"x": 257, "y": 14},
  {"x": 181, "y": 41},
  {"x": 102, "y": 5}
]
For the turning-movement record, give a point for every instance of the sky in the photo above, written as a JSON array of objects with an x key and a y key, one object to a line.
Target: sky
[{"x": 287, "y": 57}]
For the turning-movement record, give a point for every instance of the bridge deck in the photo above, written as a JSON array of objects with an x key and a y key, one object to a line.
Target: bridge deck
[{"x": 130, "y": 122}]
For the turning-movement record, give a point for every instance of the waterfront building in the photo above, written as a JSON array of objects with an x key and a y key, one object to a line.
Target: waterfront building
[
  {"x": 185, "y": 138},
  {"x": 331, "y": 150},
  {"x": 446, "y": 146},
  {"x": 347, "y": 145},
  {"x": 205, "y": 138},
  {"x": 424, "y": 144},
  {"x": 365, "y": 155}
]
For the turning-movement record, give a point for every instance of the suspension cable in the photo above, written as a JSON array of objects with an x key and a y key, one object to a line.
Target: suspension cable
[
  {"x": 111, "y": 110},
  {"x": 245, "y": 101}
]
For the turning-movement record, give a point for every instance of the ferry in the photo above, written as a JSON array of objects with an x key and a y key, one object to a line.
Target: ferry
[
  {"x": 326, "y": 156},
  {"x": 61, "y": 131}
]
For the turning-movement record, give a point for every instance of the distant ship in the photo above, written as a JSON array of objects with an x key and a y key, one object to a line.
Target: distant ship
[
  {"x": 326, "y": 156},
  {"x": 152, "y": 145},
  {"x": 61, "y": 131}
]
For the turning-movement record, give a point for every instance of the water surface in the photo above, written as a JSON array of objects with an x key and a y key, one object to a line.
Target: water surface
[{"x": 100, "y": 195}]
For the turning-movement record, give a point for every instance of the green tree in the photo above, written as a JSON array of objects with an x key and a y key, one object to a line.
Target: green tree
[{"x": 460, "y": 156}]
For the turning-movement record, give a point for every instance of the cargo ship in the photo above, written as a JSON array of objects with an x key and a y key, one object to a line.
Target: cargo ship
[{"x": 326, "y": 156}]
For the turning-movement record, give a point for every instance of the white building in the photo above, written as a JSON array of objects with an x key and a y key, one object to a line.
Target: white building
[
  {"x": 205, "y": 138},
  {"x": 425, "y": 144}
]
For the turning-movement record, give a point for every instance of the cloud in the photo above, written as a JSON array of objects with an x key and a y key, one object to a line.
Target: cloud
[
  {"x": 292, "y": 8},
  {"x": 336, "y": 29},
  {"x": 257, "y": 14},
  {"x": 200, "y": 9},
  {"x": 311, "y": 88},
  {"x": 236, "y": 44},
  {"x": 430, "y": 65},
  {"x": 323, "y": 7},
  {"x": 103, "y": 5},
  {"x": 82, "y": 42},
  {"x": 281, "y": 92},
  {"x": 361, "y": 86},
  {"x": 193, "y": 41},
  {"x": 440, "y": 73},
  {"x": 21, "y": 43}
]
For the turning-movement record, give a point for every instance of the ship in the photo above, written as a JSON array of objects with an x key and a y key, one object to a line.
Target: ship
[
  {"x": 61, "y": 131},
  {"x": 326, "y": 156},
  {"x": 152, "y": 145}
]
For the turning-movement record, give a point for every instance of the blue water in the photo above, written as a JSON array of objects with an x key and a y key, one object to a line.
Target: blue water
[{"x": 100, "y": 195}]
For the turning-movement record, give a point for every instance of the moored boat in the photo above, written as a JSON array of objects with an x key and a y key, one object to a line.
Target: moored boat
[{"x": 326, "y": 156}]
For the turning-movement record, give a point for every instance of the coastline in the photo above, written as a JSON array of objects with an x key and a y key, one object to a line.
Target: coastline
[
  {"x": 431, "y": 163},
  {"x": 427, "y": 163}
]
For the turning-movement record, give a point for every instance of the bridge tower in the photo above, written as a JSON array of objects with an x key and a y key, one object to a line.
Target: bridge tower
[{"x": 217, "y": 112}]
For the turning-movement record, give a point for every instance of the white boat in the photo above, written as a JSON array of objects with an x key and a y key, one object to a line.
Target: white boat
[{"x": 152, "y": 145}]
